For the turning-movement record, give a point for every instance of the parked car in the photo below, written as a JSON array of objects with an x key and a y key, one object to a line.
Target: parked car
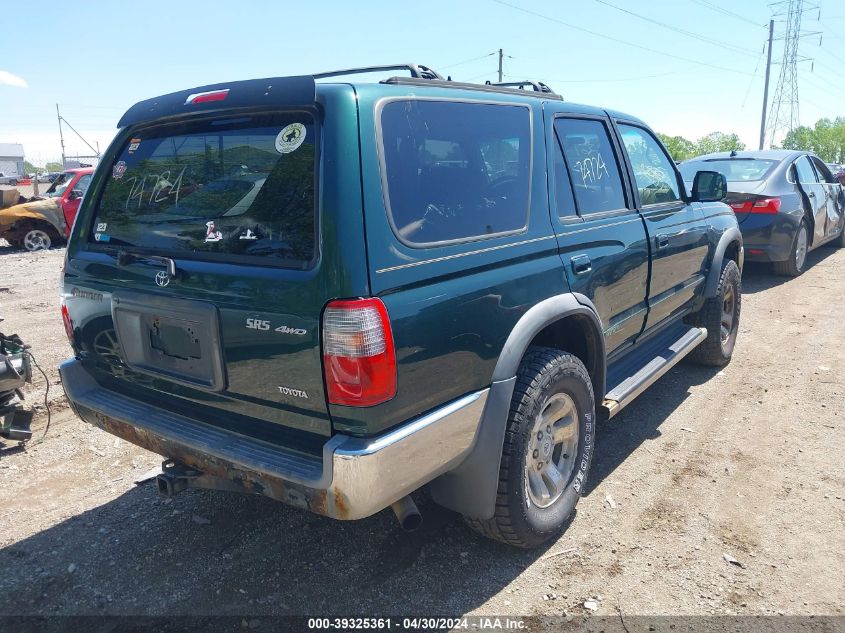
[
  {"x": 455, "y": 304},
  {"x": 9, "y": 179},
  {"x": 787, "y": 203},
  {"x": 43, "y": 222},
  {"x": 46, "y": 177}
]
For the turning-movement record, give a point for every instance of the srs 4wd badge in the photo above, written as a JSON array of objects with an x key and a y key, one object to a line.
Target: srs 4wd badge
[{"x": 260, "y": 324}]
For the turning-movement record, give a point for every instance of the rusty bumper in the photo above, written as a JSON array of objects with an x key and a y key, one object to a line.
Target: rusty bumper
[{"x": 352, "y": 479}]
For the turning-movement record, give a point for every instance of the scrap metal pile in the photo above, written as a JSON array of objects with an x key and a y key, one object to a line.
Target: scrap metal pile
[{"x": 15, "y": 371}]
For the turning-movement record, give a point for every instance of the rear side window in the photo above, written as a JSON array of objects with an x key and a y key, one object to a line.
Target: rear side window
[
  {"x": 591, "y": 163},
  {"x": 236, "y": 187},
  {"x": 656, "y": 179},
  {"x": 455, "y": 171},
  {"x": 804, "y": 169},
  {"x": 822, "y": 170}
]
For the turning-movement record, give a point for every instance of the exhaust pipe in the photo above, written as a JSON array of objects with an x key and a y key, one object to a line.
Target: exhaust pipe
[{"x": 407, "y": 514}]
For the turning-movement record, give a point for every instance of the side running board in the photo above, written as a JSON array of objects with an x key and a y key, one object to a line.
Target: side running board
[{"x": 639, "y": 369}]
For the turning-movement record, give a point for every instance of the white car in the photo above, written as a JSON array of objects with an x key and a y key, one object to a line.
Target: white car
[{"x": 11, "y": 179}]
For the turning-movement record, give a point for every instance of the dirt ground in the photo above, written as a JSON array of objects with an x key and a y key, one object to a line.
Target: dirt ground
[{"x": 747, "y": 462}]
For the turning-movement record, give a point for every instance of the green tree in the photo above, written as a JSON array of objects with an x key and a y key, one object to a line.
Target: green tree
[
  {"x": 30, "y": 168},
  {"x": 826, "y": 138},
  {"x": 718, "y": 142},
  {"x": 53, "y": 166},
  {"x": 679, "y": 147}
]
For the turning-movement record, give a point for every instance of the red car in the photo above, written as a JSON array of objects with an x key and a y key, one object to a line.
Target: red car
[{"x": 69, "y": 188}]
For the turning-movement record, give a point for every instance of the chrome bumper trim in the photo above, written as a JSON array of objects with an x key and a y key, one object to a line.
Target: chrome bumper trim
[{"x": 356, "y": 477}]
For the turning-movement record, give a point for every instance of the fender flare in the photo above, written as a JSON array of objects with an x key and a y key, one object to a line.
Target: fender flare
[
  {"x": 730, "y": 236},
  {"x": 471, "y": 488}
]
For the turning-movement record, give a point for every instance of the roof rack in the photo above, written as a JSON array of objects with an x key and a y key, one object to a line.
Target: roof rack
[
  {"x": 537, "y": 86},
  {"x": 485, "y": 87},
  {"x": 418, "y": 71}
]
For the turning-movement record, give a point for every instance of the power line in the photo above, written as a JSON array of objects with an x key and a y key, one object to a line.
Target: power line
[
  {"x": 703, "y": 38},
  {"x": 715, "y": 7},
  {"x": 467, "y": 61},
  {"x": 753, "y": 77},
  {"x": 619, "y": 41},
  {"x": 610, "y": 80}
]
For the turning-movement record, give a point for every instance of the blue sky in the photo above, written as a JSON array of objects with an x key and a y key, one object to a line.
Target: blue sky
[{"x": 97, "y": 58}]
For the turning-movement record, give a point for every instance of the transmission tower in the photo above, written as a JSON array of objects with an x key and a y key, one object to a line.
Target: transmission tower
[{"x": 784, "y": 108}]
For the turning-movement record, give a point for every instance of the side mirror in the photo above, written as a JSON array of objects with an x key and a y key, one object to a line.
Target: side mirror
[
  {"x": 76, "y": 194},
  {"x": 709, "y": 186}
]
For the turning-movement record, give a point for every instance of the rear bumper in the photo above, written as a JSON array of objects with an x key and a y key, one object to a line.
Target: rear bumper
[
  {"x": 768, "y": 238},
  {"x": 354, "y": 478}
]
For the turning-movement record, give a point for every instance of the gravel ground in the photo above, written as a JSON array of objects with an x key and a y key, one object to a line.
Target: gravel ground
[{"x": 747, "y": 462}]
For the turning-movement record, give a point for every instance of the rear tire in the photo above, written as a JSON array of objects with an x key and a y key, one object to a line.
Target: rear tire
[
  {"x": 797, "y": 260},
  {"x": 720, "y": 315},
  {"x": 549, "y": 443}
]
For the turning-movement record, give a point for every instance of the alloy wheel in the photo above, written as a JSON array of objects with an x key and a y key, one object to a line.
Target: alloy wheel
[{"x": 552, "y": 450}]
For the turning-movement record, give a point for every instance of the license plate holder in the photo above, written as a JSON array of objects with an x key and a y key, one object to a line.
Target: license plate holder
[{"x": 175, "y": 339}]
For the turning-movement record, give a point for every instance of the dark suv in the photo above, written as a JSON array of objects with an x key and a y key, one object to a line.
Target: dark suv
[{"x": 332, "y": 292}]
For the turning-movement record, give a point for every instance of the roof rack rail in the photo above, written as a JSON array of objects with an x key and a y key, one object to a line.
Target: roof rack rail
[
  {"x": 463, "y": 85},
  {"x": 537, "y": 86},
  {"x": 418, "y": 71}
]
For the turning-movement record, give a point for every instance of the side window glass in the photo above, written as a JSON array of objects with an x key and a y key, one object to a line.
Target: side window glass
[
  {"x": 83, "y": 183},
  {"x": 455, "y": 171},
  {"x": 591, "y": 162},
  {"x": 806, "y": 174},
  {"x": 656, "y": 179},
  {"x": 564, "y": 201},
  {"x": 823, "y": 171}
]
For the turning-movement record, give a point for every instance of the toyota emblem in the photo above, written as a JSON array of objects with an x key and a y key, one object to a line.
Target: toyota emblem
[{"x": 162, "y": 278}]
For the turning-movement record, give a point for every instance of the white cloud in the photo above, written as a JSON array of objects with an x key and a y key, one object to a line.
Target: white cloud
[{"x": 9, "y": 79}]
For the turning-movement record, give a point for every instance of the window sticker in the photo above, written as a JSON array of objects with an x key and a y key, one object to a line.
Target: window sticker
[
  {"x": 118, "y": 170},
  {"x": 211, "y": 235},
  {"x": 290, "y": 138},
  {"x": 134, "y": 144},
  {"x": 249, "y": 235}
]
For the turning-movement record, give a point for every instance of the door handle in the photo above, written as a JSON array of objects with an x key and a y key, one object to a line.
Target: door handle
[
  {"x": 581, "y": 264},
  {"x": 812, "y": 194},
  {"x": 662, "y": 241}
]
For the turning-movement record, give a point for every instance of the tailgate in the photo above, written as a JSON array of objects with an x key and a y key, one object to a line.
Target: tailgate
[{"x": 195, "y": 277}]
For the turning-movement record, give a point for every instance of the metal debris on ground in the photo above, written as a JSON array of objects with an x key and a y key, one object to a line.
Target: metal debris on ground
[
  {"x": 730, "y": 559},
  {"x": 15, "y": 372}
]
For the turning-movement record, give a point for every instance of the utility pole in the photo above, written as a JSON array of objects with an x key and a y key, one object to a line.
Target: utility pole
[
  {"x": 500, "y": 65},
  {"x": 766, "y": 89},
  {"x": 61, "y": 137}
]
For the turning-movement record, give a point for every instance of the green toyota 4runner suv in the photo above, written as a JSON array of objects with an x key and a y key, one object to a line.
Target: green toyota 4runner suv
[{"x": 333, "y": 292}]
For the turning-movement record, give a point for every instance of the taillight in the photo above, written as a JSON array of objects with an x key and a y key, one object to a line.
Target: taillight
[
  {"x": 761, "y": 205},
  {"x": 742, "y": 207},
  {"x": 359, "y": 359},
  {"x": 68, "y": 323},
  {"x": 766, "y": 205},
  {"x": 206, "y": 97}
]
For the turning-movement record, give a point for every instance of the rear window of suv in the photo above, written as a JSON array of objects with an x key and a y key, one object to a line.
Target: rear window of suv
[
  {"x": 232, "y": 188},
  {"x": 455, "y": 171}
]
